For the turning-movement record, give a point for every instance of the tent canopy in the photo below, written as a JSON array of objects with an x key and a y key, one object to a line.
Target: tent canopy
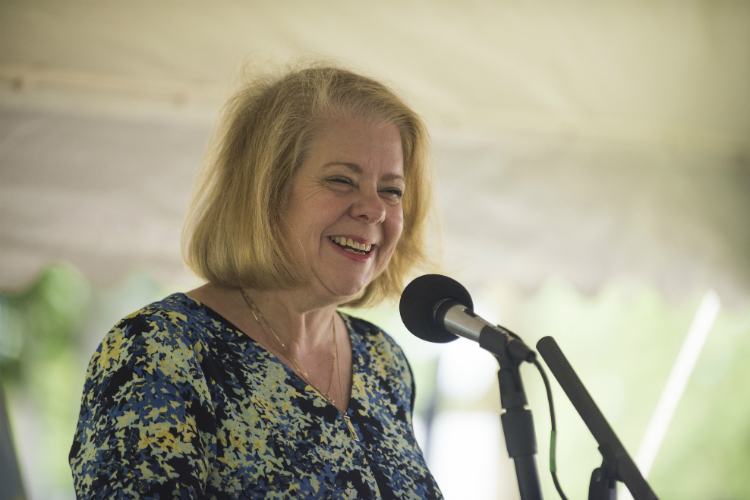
[{"x": 594, "y": 140}]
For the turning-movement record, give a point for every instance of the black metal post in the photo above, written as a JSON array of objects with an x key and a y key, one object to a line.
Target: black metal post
[{"x": 518, "y": 423}]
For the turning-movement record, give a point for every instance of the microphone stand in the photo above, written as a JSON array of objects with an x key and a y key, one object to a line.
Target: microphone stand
[
  {"x": 517, "y": 421},
  {"x": 617, "y": 465},
  {"x": 438, "y": 309}
]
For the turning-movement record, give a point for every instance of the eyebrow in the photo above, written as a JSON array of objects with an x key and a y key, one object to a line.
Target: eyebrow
[{"x": 356, "y": 168}]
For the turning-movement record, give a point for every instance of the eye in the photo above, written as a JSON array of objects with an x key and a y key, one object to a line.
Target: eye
[
  {"x": 339, "y": 182},
  {"x": 392, "y": 194},
  {"x": 340, "y": 178}
]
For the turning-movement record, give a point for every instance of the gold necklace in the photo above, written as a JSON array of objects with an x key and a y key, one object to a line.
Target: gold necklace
[{"x": 254, "y": 309}]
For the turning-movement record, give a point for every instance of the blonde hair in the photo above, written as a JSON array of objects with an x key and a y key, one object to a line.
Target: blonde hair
[{"x": 232, "y": 235}]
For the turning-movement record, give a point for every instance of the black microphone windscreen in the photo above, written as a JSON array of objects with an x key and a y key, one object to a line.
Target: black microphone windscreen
[{"x": 417, "y": 305}]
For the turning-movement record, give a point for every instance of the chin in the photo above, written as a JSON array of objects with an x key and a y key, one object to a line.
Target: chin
[
  {"x": 349, "y": 292},
  {"x": 346, "y": 297}
]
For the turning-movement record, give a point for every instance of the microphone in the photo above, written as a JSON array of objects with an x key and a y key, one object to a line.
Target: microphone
[{"x": 438, "y": 309}]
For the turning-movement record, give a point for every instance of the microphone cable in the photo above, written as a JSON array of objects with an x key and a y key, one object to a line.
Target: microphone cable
[
  {"x": 553, "y": 424},
  {"x": 553, "y": 433}
]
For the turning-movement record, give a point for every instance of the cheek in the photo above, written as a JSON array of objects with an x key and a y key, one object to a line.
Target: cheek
[{"x": 395, "y": 227}]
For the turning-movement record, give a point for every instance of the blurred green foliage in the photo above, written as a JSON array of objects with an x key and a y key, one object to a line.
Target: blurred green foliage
[
  {"x": 40, "y": 339},
  {"x": 48, "y": 333},
  {"x": 40, "y": 323}
]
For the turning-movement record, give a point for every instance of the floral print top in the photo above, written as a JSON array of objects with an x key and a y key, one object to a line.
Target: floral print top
[{"x": 178, "y": 403}]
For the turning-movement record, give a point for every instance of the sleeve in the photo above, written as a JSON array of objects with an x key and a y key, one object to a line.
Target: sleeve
[{"x": 147, "y": 426}]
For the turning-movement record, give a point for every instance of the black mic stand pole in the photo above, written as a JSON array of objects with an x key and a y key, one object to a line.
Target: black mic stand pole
[{"x": 518, "y": 424}]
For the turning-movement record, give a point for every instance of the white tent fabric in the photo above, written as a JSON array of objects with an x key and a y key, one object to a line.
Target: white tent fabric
[{"x": 594, "y": 140}]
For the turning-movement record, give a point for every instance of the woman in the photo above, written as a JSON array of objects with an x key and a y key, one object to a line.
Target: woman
[{"x": 253, "y": 385}]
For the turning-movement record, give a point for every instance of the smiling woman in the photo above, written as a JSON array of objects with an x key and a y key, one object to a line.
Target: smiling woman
[
  {"x": 346, "y": 195},
  {"x": 266, "y": 134},
  {"x": 254, "y": 385}
]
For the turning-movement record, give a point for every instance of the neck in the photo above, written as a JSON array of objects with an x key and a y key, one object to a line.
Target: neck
[{"x": 297, "y": 321}]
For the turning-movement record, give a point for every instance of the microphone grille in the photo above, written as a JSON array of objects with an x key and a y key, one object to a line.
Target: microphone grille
[{"x": 418, "y": 301}]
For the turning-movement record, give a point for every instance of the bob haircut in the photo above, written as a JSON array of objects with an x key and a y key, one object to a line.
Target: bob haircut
[{"x": 232, "y": 235}]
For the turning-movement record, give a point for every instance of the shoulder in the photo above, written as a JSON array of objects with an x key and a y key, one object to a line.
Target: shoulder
[
  {"x": 381, "y": 347},
  {"x": 170, "y": 325},
  {"x": 168, "y": 317},
  {"x": 147, "y": 355},
  {"x": 173, "y": 312},
  {"x": 370, "y": 333}
]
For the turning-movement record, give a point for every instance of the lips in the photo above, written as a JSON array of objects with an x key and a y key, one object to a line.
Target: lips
[{"x": 351, "y": 246}]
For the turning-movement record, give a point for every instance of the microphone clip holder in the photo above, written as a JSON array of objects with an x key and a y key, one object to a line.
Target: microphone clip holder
[{"x": 603, "y": 484}]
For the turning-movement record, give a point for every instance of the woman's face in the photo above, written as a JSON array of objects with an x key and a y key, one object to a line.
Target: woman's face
[{"x": 343, "y": 215}]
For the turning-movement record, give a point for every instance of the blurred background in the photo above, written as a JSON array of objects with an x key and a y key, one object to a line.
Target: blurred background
[{"x": 593, "y": 174}]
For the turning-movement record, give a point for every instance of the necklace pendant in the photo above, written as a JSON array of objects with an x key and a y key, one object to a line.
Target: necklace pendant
[{"x": 351, "y": 427}]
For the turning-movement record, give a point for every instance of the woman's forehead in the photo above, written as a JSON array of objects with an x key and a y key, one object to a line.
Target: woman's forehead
[{"x": 358, "y": 143}]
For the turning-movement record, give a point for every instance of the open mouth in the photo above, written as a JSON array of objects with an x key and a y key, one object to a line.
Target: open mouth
[{"x": 351, "y": 246}]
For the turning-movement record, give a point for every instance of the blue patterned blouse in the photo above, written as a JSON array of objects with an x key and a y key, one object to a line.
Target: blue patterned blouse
[{"x": 178, "y": 403}]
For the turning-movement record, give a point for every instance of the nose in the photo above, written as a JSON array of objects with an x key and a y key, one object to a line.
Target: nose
[{"x": 369, "y": 208}]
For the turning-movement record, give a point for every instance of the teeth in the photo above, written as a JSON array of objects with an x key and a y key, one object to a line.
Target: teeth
[{"x": 344, "y": 242}]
